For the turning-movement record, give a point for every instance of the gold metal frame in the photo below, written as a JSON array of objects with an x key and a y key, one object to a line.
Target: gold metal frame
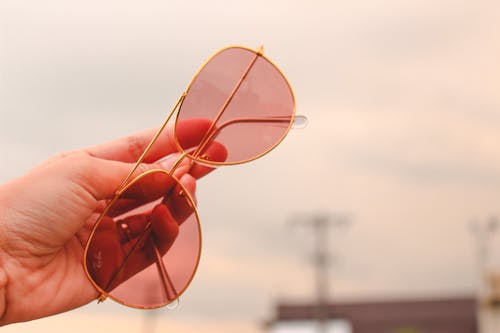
[
  {"x": 194, "y": 158},
  {"x": 259, "y": 53},
  {"x": 104, "y": 294}
]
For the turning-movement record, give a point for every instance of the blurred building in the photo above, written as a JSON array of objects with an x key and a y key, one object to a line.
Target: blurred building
[{"x": 456, "y": 315}]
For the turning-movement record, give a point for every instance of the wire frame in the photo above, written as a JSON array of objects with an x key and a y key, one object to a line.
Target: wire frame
[{"x": 195, "y": 156}]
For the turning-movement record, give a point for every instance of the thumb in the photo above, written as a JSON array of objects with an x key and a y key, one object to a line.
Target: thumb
[{"x": 101, "y": 178}]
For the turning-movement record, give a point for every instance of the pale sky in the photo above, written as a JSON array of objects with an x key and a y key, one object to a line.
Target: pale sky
[{"x": 404, "y": 130}]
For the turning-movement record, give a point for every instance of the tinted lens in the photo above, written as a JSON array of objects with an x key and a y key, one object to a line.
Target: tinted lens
[
  {"x": 144, "y": 251},
  {"x": 248, "y": 100}
]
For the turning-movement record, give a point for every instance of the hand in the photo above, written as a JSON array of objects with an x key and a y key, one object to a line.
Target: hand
[
  {"x": 138, "y": 228},
  {"x": 46, "y": 217}
]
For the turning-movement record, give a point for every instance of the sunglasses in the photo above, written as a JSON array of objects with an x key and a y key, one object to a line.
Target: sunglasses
[{"x": 145, "y": 246}]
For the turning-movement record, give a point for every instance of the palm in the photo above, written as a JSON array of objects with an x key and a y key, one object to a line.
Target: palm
[{"x": 45, "y": 264}]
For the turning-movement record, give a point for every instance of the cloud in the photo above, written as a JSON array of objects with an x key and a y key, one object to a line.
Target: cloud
[{"x": 403, "y": 104}]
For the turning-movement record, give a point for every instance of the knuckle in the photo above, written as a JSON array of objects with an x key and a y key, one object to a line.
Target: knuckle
[
  {"x": 136, "y": 146},
  {"x": 80, "y": 164},
  {"x": 79, "y": 158},
  {"x": 142, "y": 168},
  {"x": 60, "y": 156}
]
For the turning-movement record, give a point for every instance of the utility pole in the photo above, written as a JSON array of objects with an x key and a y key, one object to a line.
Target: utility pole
[
  {"x": 320, "y": 224},
  {"x": 489, "y": 296}
]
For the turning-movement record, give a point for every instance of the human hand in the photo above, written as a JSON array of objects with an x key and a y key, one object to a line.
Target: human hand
[
  {"x": 46, "y": 217},
  {"x": 136, "y": 231}
]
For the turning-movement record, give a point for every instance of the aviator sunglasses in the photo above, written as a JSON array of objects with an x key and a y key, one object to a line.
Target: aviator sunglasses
[{"x": 145, "y": 246}]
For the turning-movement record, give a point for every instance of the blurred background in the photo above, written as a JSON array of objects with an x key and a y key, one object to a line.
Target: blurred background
[{"x": 400, "y": 160}]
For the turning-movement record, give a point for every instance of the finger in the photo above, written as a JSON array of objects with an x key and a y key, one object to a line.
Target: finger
[
  {"x": 132, "y": 226},
  {"x": 163, "y": 232},
  {"x": 123, "y": 248},
  {"x": 104, "y": 253},
  {"x": 156, "y": 228},
  {"x": 145, "y": 189},
  {"x": 128, "y": 149},
  {"x": 101, "y": 178},
  {"x": 165, "y": 227},
  {"x": 179, "y": 203},
  {"x": 216, "y": 152}
]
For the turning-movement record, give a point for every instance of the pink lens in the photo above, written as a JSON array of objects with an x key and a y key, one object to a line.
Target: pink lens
[
  {"x": 144, "y": 251},
  {"x": 248, "y": 100}
]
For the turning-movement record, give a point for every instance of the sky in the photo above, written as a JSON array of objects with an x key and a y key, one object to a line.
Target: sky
[{"x": 403, "y": 107}]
